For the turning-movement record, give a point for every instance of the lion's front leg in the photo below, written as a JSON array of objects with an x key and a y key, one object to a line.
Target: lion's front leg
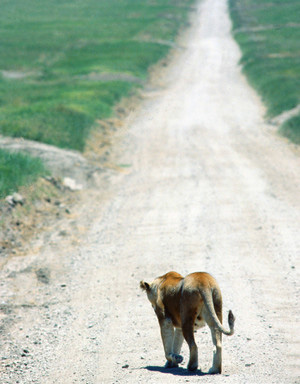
[{"x": 168, "y": 338}]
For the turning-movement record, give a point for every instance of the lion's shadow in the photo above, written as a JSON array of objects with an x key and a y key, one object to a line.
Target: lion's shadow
[{"x": 176, "y": 371}]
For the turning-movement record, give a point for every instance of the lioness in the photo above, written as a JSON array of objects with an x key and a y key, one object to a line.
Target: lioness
[{"x": 186, "y": 304}]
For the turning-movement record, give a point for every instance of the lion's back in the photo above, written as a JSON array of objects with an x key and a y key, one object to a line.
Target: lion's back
[{"x": 198, "y": 280}]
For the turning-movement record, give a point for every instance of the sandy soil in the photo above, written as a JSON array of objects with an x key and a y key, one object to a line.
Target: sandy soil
[{"x": 200, "y": 183}]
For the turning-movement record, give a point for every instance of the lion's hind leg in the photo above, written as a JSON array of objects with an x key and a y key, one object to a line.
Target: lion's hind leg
[
  {"x": 188, "y": 333},
  {"x": 177, "y": 344},
  {"x": 190, "y": 308},
  {"x": 215, "y": 333},
  {"x": 177, "y": 341},
  {"x": 170, "y": 339},
  {"x": 217, "y": 359}
]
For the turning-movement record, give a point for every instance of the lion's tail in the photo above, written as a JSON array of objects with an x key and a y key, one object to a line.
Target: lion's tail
[{"x": 208, "y": 301}]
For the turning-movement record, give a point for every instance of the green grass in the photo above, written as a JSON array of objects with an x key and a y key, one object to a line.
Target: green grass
[
  {"x": 291, "y": 129},
  {"x": 268, "y": 33},
  {"x": 55, "y": 58},
  {"x": 57, "y": 114},
  {"x": 25, "y": 171},
  {"x": 55, "y": 45}
]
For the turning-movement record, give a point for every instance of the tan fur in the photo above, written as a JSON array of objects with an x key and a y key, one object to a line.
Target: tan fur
[{"x": 182, "y": 305}]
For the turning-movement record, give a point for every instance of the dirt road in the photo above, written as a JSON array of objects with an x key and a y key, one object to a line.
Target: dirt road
[{"x": 200, "y": 183}]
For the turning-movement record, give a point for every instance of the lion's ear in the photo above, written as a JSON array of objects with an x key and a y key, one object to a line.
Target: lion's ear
[{"x": 144, "y": 286}]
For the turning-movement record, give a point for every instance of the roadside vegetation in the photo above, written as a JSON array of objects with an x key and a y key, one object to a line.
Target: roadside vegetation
[
  {"x": 268, "y": 33},
  {"x": 24, "y": 171},
  {"x": 64, "y": 64}
]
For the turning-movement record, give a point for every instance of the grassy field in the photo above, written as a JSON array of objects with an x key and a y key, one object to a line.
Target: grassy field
[
  {"x": 64, "y": 64},
  {"x": 24, "y": 171},
  {"x": 268, "y": 33}
]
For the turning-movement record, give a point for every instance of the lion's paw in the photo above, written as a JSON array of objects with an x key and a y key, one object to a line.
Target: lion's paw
[
  {"x": 214, "y": 370},
  {"x": 170, "y": 364},
  {"x": 174, "y": 360},
  {"x": 192, "y": 366},
  {"x": 177, "y": 359}
]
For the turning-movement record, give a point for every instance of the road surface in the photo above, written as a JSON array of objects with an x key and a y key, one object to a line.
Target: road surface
[{"x": 200, "y": 182}]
